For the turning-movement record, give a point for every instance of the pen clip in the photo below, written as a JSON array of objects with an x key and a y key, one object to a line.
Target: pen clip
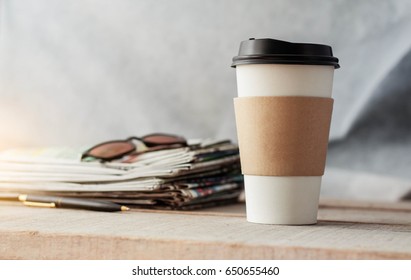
[{"x": 40, "y": 204}]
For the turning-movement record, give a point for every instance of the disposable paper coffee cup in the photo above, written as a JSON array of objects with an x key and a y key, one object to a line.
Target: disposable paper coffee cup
[{"x": 283, "y": 112}]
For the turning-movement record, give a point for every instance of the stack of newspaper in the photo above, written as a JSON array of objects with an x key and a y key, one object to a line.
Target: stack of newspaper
[{"x": 205, "y": 173}]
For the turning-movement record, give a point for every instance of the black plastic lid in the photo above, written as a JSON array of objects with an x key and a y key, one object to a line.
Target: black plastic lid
[{"x": 271, "y": 51}]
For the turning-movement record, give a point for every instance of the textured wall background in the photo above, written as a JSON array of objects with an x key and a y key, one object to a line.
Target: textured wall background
[{"x": 80, "y": 72}]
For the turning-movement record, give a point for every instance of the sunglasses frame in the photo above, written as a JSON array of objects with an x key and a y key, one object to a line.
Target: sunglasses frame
[{"x": 129, "y": 140}]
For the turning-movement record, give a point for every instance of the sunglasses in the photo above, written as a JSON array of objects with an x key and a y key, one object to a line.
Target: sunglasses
[{"x": 116, "y": 149}]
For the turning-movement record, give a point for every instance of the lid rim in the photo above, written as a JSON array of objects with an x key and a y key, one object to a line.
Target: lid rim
[
  {"x": 325, "y": 63},
  {"x": 287, "y": 60}
]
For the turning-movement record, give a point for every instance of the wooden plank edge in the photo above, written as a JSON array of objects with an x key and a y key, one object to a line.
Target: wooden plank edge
[{"x": 365, "y": 205}]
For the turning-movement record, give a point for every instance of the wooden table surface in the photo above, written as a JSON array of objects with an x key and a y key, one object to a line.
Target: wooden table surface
[{"x": 346, "y": 230}]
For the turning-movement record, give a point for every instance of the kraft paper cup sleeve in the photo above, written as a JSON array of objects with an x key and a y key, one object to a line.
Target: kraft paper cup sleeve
[{"x": 283, "y": 135}]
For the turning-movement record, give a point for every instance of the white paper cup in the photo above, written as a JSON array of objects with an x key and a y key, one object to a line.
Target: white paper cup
[
  {"x": 284, "y": 80},
  {"x": 290, "y": 200}
]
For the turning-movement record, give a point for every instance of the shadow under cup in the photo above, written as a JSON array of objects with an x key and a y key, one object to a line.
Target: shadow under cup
[{"x": 283, "y": 114}]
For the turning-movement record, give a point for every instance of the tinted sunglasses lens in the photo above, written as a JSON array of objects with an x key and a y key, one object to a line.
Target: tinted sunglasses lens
[
  {"x": 111, "y": 150},
  {"x": 160, "y": 139}
]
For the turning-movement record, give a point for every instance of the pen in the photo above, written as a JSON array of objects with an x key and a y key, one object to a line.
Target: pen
[{"x": 68, "y": 202}]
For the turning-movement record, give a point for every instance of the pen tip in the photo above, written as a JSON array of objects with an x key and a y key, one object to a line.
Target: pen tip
[
  {"x": 124, "y": 208},
  {"x": 22, "y": 197}
]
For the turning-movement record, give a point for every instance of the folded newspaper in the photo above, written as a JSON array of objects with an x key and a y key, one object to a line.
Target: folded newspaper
[{"x": 205, "y": 173}]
